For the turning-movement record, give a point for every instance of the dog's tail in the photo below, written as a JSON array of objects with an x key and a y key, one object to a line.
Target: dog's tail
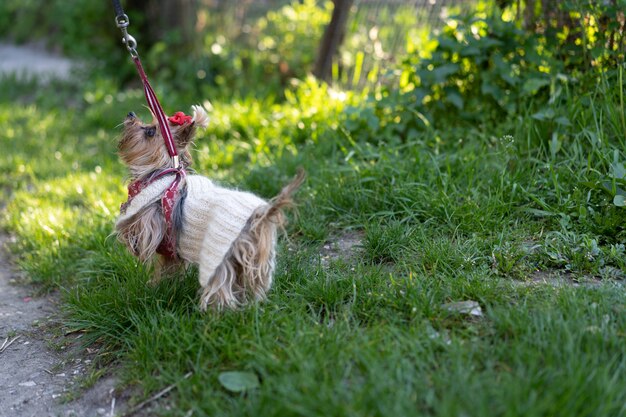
[
  {"x": 263, "y": 230},
  {"x": 283, "y": 200}
]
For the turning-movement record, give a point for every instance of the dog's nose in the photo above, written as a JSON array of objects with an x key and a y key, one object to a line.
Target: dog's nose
[{"x": 131, "y": 115}]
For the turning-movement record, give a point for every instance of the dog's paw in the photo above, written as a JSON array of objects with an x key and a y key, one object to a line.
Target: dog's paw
[{"x": 154, "y": 282}]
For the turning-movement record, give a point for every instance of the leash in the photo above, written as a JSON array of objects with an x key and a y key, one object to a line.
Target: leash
[
  {"x": 168, "y": 246},
  {"x": 122, "y": 22}
]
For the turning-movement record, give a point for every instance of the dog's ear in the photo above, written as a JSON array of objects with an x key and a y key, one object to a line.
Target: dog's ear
[
  {"x": 184, "y": 135},
  {"x": 200, "y": 117}
]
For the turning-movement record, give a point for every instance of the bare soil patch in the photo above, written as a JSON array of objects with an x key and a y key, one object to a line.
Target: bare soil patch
[
  {"x": 342, "y": 247},
  {"x": 41, "y": 369}
]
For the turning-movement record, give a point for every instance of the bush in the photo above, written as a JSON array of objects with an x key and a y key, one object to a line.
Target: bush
[{"x": 483, "y": 68}]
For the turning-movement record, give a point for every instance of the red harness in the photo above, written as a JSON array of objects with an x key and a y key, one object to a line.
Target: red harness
[{"x": 167, "y": 247}]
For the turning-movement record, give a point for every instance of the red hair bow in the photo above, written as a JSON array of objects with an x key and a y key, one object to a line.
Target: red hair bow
[{"x": 179, "y": 118}]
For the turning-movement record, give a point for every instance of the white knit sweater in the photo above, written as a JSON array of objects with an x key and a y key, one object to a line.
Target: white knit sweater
[{"x": 213, "y": 218}]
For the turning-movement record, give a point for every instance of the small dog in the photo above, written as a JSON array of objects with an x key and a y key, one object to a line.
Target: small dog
[{"x": 230, "y": 234}]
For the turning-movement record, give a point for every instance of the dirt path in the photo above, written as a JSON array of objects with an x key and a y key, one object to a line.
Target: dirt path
[
  {"x": 39, "y": 376},
  {"x": 35, "y": 378}
]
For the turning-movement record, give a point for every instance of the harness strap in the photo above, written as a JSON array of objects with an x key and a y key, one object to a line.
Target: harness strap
[
  {"x": 167, "y": 247},
  {"x": 138, "y": 186}
]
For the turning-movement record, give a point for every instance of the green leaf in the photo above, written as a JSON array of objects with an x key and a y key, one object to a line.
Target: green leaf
[
  {"x": 539, "y": 213},
  {"x": 419, "y": 93},
  {"x": 607, "y": 187},
  {"x": 455, "y": 99},
  {"x": 372, "y": 122},
  {"x": 237, "y": 381},
  {"x": 534, "y": 84},
  {"x": 618, "y": 170},
  {"x": 470, "y": 51},
  {"x": 544, "y": 114},
  {"x": 504, "y": 70},
  {"x": 491, "y": 89},
  {"x": 442, "y": 73},
  {"x": 487, "y": 42},
  {"x": 447, "y": 42},
  {"x": 555, "y": 145},
  {"x": 508, "y": 78},
  {"x": 563, "y": 121},
  {"x": 592, "y": 185},
  {"x": 619, "y": 200}
]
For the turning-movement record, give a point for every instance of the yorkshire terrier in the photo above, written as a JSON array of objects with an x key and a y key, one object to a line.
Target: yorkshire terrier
[{"x": 187, "y": 218}]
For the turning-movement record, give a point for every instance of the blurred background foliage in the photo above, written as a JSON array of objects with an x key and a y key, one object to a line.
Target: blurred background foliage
[
  {"x": 257, "y": 47},
  {"x": 405, "y": 68}
]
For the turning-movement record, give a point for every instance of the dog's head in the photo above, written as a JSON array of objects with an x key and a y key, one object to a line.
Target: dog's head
[{"x": 141, "y": 146}]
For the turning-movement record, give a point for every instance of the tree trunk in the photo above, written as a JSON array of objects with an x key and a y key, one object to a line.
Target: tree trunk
[
  {"x": 160, "y": 17},
  {"x": 332, "y": 39},
  {"x": 529, "y": 15}
]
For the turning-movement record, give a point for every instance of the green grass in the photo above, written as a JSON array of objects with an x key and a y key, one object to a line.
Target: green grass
[{"x": 454, "y": 213}]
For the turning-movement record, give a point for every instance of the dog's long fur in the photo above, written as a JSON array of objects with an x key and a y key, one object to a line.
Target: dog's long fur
[
  {"x": 246, "y": 272},
  {"x": 252, "y": 258}
]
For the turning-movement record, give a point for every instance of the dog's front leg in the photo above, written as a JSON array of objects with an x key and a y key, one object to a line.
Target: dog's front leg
[{"x": 164, "y": 267}]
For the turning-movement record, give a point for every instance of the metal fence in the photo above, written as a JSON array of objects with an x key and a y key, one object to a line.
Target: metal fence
[{"x": 378, "y": 33}]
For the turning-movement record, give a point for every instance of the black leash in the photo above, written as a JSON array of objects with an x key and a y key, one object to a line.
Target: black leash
[{"x": 118, "y": 9}]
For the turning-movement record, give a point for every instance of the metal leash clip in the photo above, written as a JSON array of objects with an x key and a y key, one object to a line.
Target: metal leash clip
[{"x": 122, "y": 21}]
